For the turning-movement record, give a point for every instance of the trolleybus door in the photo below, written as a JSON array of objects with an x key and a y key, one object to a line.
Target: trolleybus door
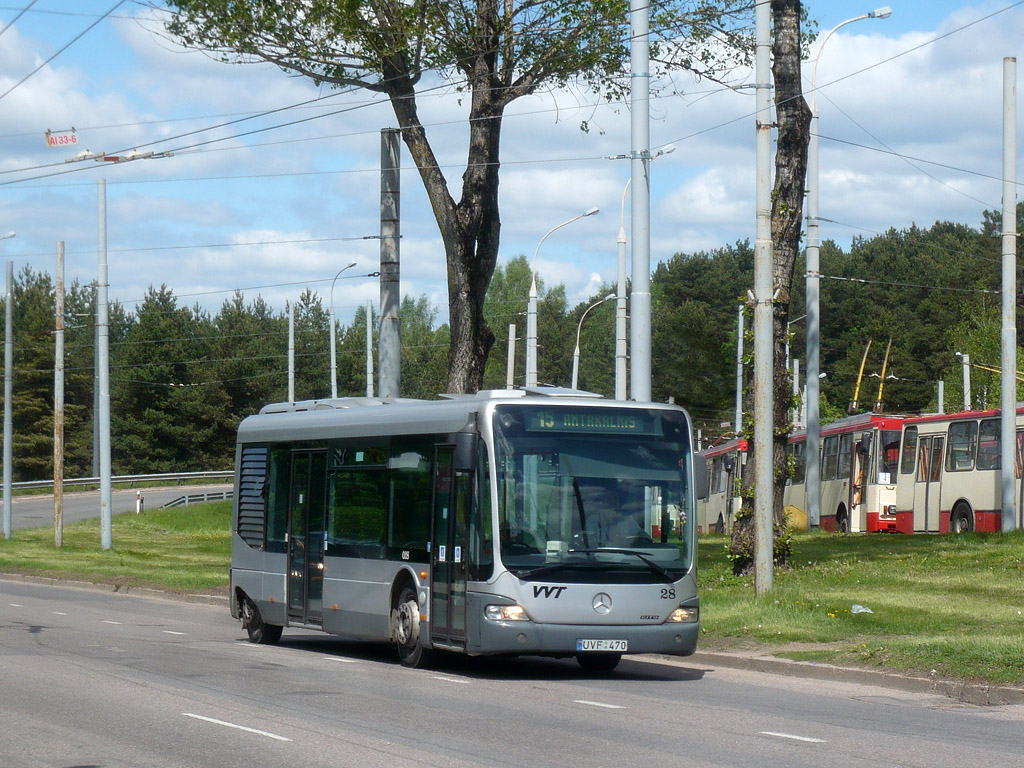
[
  {"x": 306, "y": 537},
  {"x": 927, "y": 483},
  {"x": 449, "y": 550}
]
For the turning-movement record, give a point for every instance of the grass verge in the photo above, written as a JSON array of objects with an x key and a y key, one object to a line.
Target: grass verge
[
  {"x": 183, "y": 549},
  {"x": 953, "y": 604}
]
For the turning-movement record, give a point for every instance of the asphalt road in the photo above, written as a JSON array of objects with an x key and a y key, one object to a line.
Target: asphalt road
[
  {"x": 100, "y": 679},
  {"x": 36, "y": 511}
]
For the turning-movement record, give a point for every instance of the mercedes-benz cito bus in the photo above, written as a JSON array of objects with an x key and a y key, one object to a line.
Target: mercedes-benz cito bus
[{"x": 507, "y": 522}]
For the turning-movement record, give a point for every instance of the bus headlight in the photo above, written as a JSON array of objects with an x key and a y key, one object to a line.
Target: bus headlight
[
  {"x": 681, "y": 615},
  {"x": 506, "y": 613}
]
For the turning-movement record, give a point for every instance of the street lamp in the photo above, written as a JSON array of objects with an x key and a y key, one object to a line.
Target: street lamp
[
  {"x": 576, "y": 353},
  {"x": 812, "y": 282},
  {"x": 334, "y": 361},
  {"x": 531, "y": 311}
]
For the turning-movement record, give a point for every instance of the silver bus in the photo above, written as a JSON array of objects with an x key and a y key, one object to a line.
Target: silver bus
[{"x": 506, "y": 522}]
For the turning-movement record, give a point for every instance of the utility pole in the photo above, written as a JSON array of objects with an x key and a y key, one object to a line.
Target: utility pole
[
  {"x": 103, "y": 325},
  {"x": 8, "y": 397},
  {"x": 739, "y": 373},
  {"x": 621, "y": 351},
  {"x": 640, "y": 228},
  {"x": 510, "y": 366},
  {"x": 291, "y": 353},
  {"x": 763, "y": 352},
  {"x": 58, "y": 406},
  {"x": 389, "y": 343},
  {"x": 1008, "y": 384},
  {"x": 369, "y": 349},
  {"x": 966, "y": 360}
]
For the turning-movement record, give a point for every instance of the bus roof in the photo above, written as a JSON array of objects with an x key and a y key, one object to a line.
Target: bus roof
[
  {"x": 727, "y": 447},
  {"x": 854, "y": 423},
  {"x": 959, "y": 415}
]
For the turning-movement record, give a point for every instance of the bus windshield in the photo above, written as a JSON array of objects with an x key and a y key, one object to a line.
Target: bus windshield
[{"x": 592, "y": 493}]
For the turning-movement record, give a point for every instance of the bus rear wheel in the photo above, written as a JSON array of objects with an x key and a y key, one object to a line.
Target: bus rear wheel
[
  {"x": 599, "y": 662},
  {"x": 842, "y": 521},
  {"x": 961, "y": 520},
  {"x": 259, "y": 631},
  {"x": 405, "y": 619}
]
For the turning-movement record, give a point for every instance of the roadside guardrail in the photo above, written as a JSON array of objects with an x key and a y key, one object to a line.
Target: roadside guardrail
[
  {"x": 169, "y": 477},
  {"x": 198, "y": 498}
]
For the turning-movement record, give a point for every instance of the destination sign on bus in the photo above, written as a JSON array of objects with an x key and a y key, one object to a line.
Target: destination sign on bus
[{"x": 592, "y": 421}]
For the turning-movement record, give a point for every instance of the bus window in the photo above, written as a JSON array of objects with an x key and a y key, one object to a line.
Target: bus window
[
  {"x": 277, "y": 498},
  {"x": 481, "y": 536},
  {"x": 358, "y": 507},
  {"x": 411, "y": 490},
  {"x": 799, "y": 463},
  {"x": 830, "y": 460},
  {"x": 889, "y": 456},
  {"x": 845, "y": 455},
  {"x": 988, "y": 444},
  {"x": 716, "y": 474},
  {"x": 963, "y": 442},
  {"x": 909, "y": 450}
]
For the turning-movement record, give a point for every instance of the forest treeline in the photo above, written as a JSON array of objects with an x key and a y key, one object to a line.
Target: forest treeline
[{"x": 182, "y": 378}]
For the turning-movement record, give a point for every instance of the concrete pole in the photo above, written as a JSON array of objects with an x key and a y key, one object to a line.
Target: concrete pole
[
  {"x": 942, "y": 397},
  {"x": 796, "y": 391},
  {"x": 334, "y": 355},
  {"x": 739, "y": 373},
  {"x": 621, "y": 350},
  {"x": 812, "y": 288},
  {"x": 531, "y": 331},
  {"x": 389, "y": 340},
  {"x": 291, "y": 353},
  {"x": 8, "y": 397},
  {"x": 640, "y": 229},
  {"x": 966, "y": 360},
  {"x": 510, "y": 367},
  {"x": 96, "y": 388},
  {"x": 58, "y": 405},
  {"x": 103, "y": 326},
  {"x": 763, "y": 353},
  {"x": 1008, "y": 384},
  {"x": 369, "y": 349}
]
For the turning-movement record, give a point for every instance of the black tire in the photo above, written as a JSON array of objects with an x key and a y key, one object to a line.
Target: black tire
[
  {"x": 842, "y": 521},
  {"x": 961, "y": 521},
  {"x": 599, "y": 661},
  {"x": 405, "y": 620},
  {"x": 720, "y": 524},
  {"x": 259, "y": 631}
]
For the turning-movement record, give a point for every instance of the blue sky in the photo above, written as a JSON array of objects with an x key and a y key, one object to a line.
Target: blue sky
[{"x": 295, "y": 201}]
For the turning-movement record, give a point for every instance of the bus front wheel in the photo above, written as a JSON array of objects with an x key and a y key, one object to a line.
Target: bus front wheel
[
  {"x": 405, "y": 617},
  {"x": 259, "y": 631},
  {"x": 599, "y": 661}
]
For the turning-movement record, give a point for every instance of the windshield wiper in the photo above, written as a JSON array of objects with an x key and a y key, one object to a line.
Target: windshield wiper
[
  {"x": 541, "y": 570},
  {"x": 658, "y": 569}
]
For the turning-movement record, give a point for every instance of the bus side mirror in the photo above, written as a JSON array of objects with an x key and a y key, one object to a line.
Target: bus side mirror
[
  {"x": 465, "y": 451},
  {"x": 865, "y": 443},
  {"x": 700, "y": 476},
  {"x": 729, "y": 462}
]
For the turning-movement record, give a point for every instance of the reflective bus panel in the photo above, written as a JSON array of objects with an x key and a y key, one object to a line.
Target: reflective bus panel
[{"x": 498, "y": 523}]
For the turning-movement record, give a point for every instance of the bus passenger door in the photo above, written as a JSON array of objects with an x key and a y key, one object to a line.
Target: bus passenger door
[
  {"x": 306, "y": 537},
  {"x": 449, "y": 550},
  {"x": 927, "y": 483}
]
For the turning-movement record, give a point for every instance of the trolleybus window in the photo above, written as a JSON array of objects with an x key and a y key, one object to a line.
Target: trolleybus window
[
  {"x": 889, "y": 456},
  {"x": 830, "y": 459},
  {"x": 845, "y": 466},
  {"x": 988, "y": 444},
  {"x": 963, "y": 440},
  {"x": 593, "y": 495},
  {"x": 909, "y": 450}
]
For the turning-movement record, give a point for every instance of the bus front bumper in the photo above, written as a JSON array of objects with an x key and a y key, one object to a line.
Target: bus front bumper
[{"x": 528, "y": 637}]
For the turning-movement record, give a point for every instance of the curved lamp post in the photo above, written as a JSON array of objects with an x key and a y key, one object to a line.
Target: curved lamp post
[
  {"x": 812, "y": 283},
  {"x": 579, "y": 327},
  {"x": 531, "y": 311},
  {"x": 334, "y": 361}
]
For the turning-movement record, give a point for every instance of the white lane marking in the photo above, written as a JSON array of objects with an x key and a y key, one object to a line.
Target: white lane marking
[
  {"x": 597, "y": 704},
  {"x": 16, "y": 605},
  {"x": 107, "y": 621},
  {"x": 792, "y": 736},
  {"x": 343, "y": 661},
  {"x": 238, "y": 727},
  {"x": 170, "y": 632},
  {"x": 59, "y": 613},
  {"x": 450, "y": 680}
]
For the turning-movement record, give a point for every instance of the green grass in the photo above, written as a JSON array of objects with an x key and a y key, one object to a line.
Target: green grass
[
  {"x": 953, "y": 604},
  {"x": 183, "y": 549}
]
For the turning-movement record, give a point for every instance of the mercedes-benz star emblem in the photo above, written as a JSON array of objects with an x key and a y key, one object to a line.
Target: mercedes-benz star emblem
[{"x": 603, "y": 603}]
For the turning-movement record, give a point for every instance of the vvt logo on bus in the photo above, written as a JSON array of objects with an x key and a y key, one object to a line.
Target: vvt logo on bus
[{"x": 546, "y": 591}]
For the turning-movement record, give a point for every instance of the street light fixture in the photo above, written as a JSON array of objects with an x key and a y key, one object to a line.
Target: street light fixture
[
  {"x": 531, "y": 311},
  {"x": 334, "y": 361},
  {"x": 579, "y": 327},
  {"x": 812, "y": 290}
]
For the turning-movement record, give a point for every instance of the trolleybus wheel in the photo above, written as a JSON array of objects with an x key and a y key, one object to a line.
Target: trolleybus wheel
[
  {"x": 406, "y": 621},
  {"x": 599, "y": 662},
  {"x": 961, "y": 521},
  {"x": 720, "y": 524},
  {"x": 842, "y": 521},
  {"x": 259, "y": 631}
]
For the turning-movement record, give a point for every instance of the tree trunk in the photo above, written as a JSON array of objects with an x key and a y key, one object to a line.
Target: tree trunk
[{"x": 794, "y": 120}]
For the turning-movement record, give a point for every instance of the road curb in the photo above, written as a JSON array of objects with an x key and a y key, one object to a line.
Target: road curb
[
  {"x": 969, "y": 693},
  {"x": 122, "y": 589}
]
